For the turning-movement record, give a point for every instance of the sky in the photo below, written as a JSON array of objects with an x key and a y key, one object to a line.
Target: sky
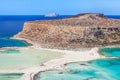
[{"x": 62, "y": 7}]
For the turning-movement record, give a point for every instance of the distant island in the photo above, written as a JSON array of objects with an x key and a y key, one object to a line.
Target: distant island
[
  {"x": 82, "y": 30},
  {"x": 51, "y": 15}
]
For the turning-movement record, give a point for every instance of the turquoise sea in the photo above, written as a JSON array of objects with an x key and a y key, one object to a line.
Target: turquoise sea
[
  {"x": 12, "y": 58},
  {"x": 105, "y": 69},
  {"x": 12, "y": 76},
  {"x": 11, "y": 25},
  {"x": 102, "y": 69}
]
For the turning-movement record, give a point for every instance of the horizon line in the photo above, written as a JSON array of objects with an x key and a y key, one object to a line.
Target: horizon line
[{"x": 58, "y": 15}]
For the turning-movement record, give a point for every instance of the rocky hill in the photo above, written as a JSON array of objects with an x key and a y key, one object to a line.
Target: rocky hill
[{"x": 82, "y": 30}]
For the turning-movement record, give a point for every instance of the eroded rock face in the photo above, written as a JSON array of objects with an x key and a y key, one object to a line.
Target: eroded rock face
[{"x": 85, "y": 30}]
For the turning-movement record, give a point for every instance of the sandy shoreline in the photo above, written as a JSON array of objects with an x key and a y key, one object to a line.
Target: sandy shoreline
[{"x": 59, "y": 64}]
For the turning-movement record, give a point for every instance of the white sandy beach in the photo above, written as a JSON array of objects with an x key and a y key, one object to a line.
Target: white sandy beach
[{"x": 56, "y": 64}]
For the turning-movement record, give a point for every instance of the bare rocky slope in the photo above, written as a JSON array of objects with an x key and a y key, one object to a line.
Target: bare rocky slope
[{"x": 82, "y": 30}]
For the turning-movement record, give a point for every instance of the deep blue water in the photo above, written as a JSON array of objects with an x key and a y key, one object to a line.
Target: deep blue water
[
  {"x": 114, "y": 16},
  {"x": 11, "y": 25},
  {"x": 103, "y": 69}
]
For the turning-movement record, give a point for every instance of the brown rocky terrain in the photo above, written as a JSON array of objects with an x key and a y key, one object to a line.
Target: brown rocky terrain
[{"x": 82, "y": 30}]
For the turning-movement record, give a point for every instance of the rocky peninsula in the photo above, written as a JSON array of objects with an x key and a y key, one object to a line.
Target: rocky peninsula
[{"x": 82, "y": 30}]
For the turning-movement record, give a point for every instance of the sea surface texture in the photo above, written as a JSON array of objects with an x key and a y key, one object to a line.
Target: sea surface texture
[
  {"x": 11, "y": 25},
  {"x": 25, "y": 58},
  {"x": 103, "y": 69},
  {"x": 12, "y": 58}
]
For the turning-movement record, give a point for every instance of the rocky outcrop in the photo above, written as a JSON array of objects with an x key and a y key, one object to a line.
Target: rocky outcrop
[{"x": 82, "y": 30}]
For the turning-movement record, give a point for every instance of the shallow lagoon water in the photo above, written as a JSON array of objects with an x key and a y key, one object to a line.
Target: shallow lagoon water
[
  {"x": 19, "y": 59},
  {"x": 24, "y": 58},
  {"x": 103, "y": 69},
  {"x": 7, "y": 42},
  {"x": 110, "y": 52},
  {"x": 10, "y": 51},
  {"x": 94, "y": 70},
  {"x": 11, "y": 59},
  {"x": 12, "y": 76},
  {"x": 11, "y": 25}
]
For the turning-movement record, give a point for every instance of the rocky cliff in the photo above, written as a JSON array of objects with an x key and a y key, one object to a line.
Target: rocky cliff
[{"x": 82, "y": 30}]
